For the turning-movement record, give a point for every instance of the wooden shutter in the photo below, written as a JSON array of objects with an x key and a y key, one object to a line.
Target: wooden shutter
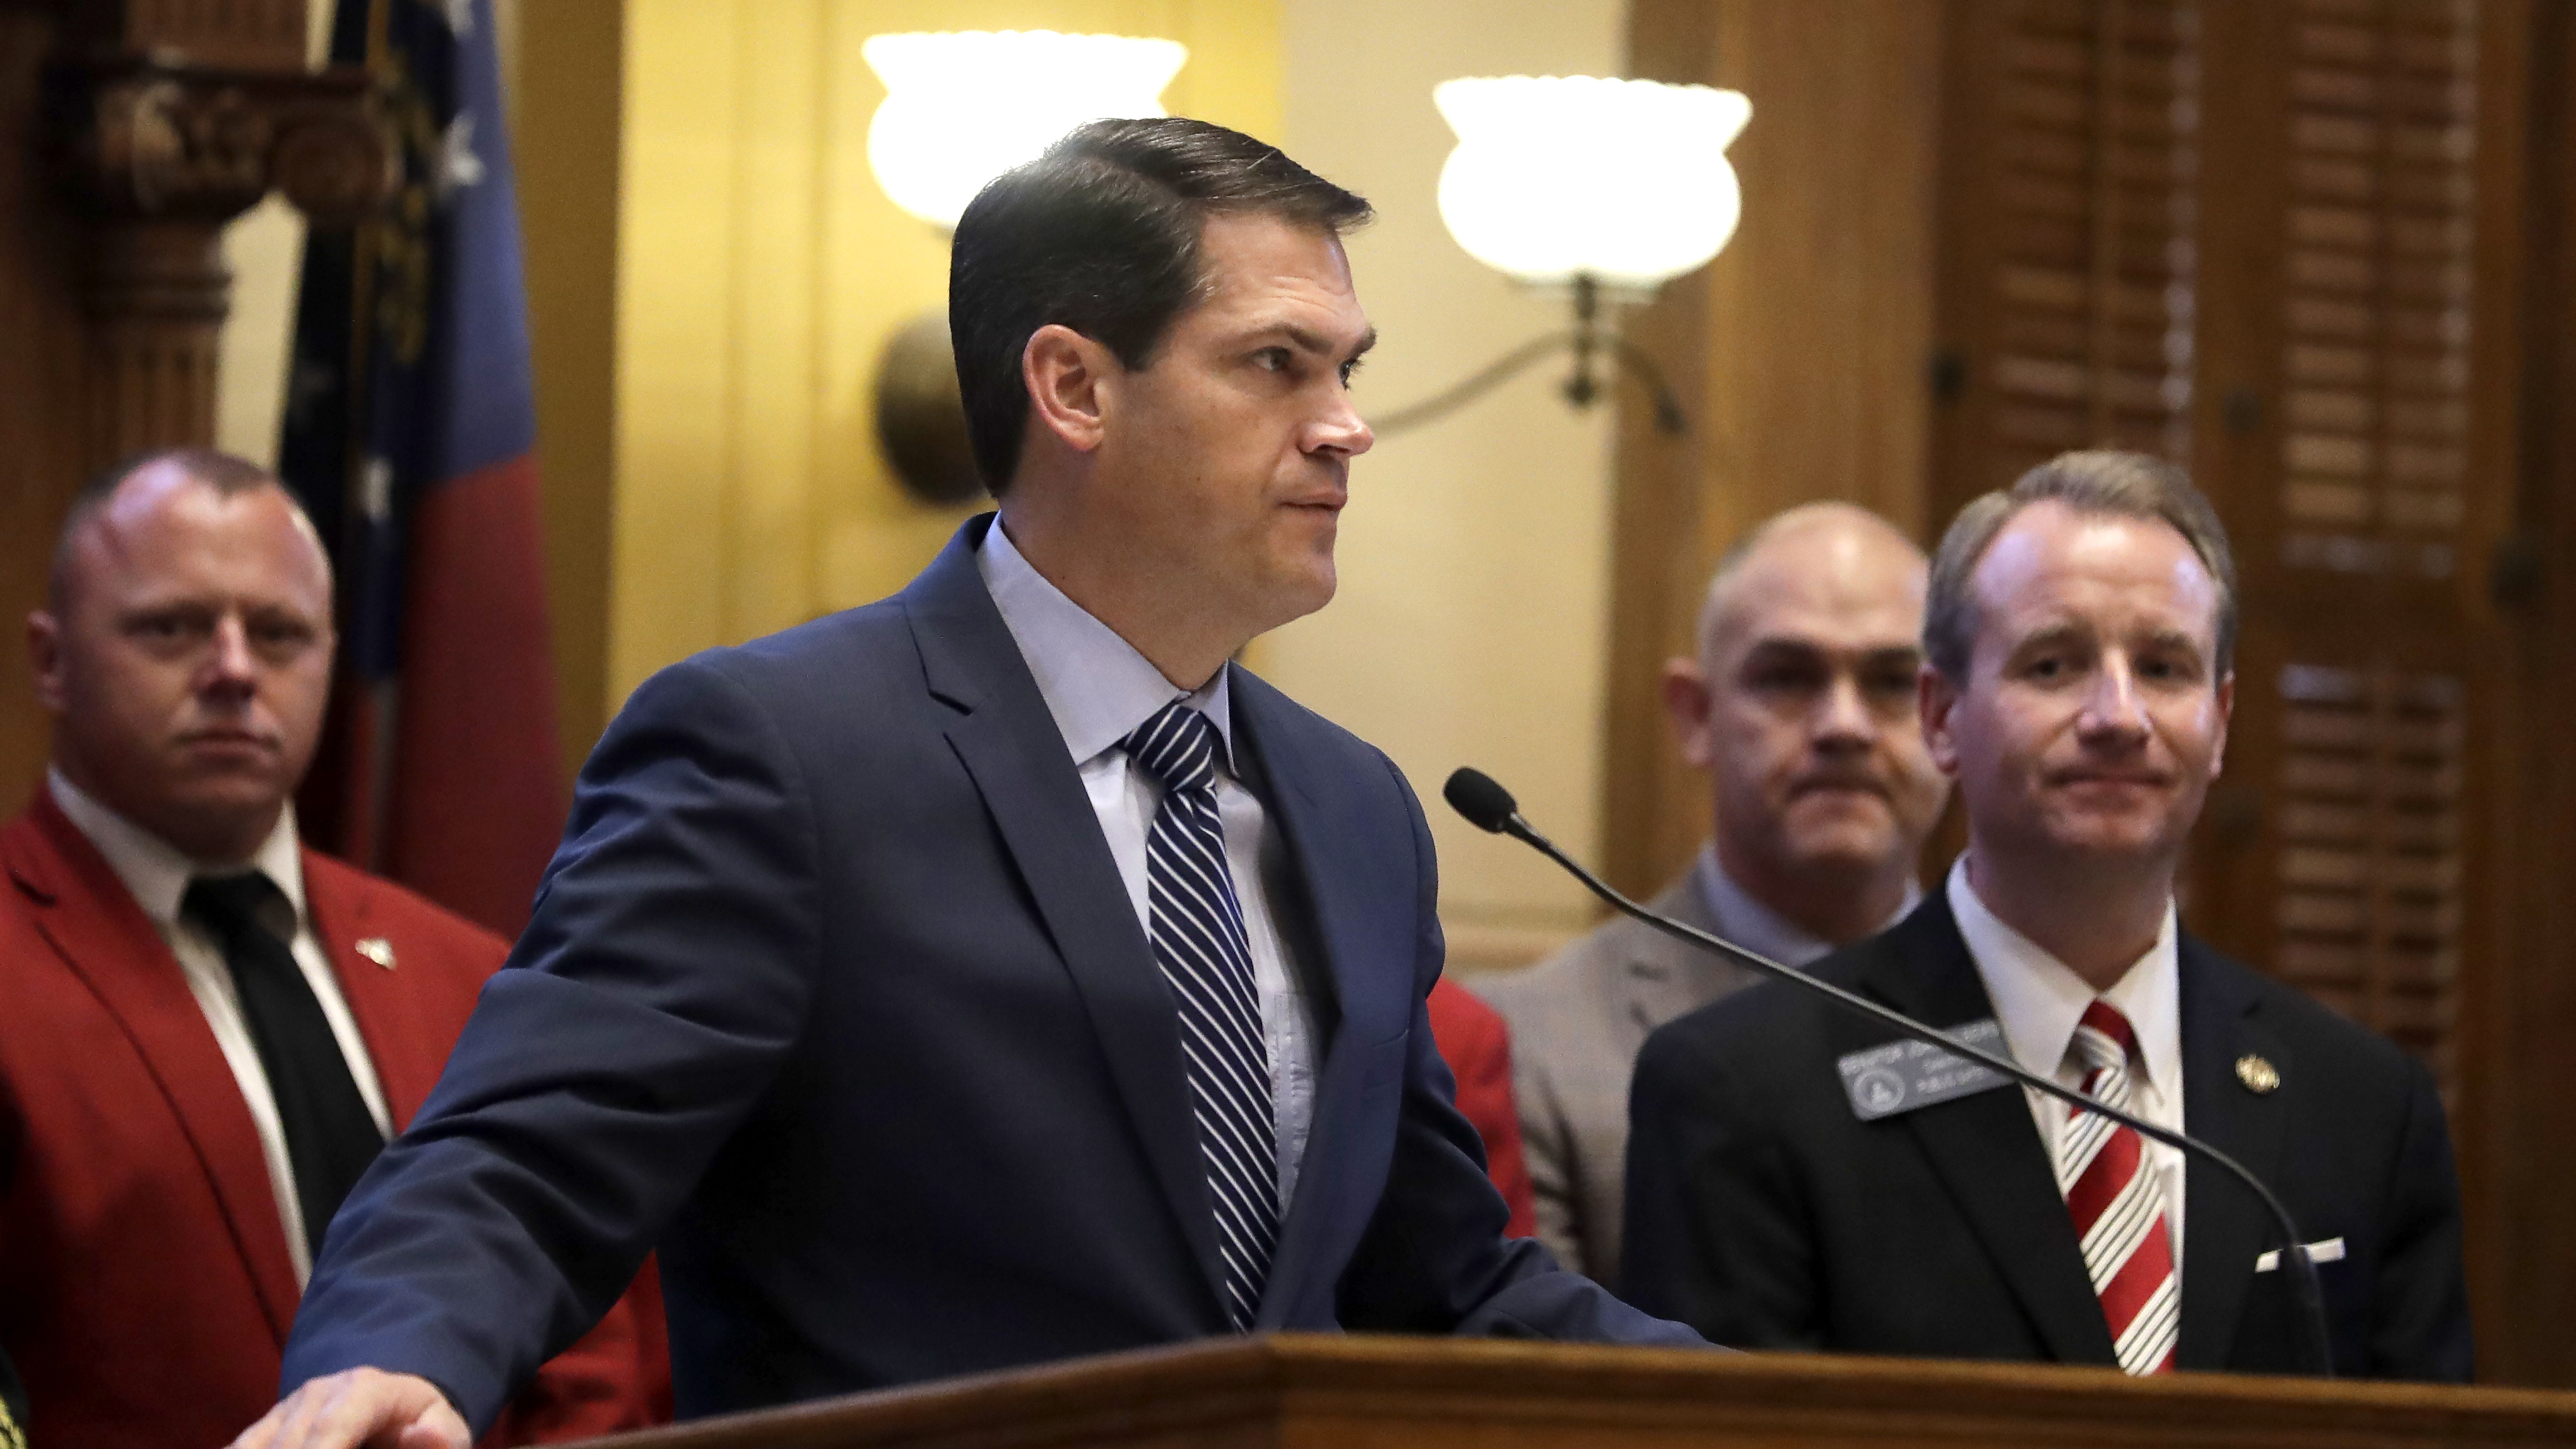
[
  {"x": 2362, "y": 520},
  {"x": 2246, "y": 237},
  {"x": 2366, "y": 669},
  {"x": 2069, "y": 246},
  {"x": 2378, "y": 231}
]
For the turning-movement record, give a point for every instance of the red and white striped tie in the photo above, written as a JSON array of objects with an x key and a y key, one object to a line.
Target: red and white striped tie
[{"x": 2118, "y": 1205}]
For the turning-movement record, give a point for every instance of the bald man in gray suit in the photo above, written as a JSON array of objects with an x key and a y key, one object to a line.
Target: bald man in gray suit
[{"x": 1800, "y": 706}]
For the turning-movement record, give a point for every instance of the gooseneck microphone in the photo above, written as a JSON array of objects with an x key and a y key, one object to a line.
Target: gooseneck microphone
[{"x": 1489, "y": 807}]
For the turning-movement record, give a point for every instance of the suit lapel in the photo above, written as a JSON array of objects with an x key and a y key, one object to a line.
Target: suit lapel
[
  {"x": 343, "y": 912},
  {"x": 92, "y": 922},
  {"x": 1010, "y": 746},
  {"x": 1276, "y": 765},
  {"x": 2224, "y": 1227},
  {"x": 1663, "y": 978},
  {"x": 1985, "y": 1148}
]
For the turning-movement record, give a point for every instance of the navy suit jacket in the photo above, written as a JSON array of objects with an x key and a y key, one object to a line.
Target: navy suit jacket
[
  {"x": 834, "y": 994},
  {"x": 1761, "y": 1209}
]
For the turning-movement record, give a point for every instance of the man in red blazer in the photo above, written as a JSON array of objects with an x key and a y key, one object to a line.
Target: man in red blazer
[{"x": 186, "y": 1092}]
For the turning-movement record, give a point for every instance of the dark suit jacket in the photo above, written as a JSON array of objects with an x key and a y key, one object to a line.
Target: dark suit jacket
[
  {"x": 1477, "y": 1047},
  {"x": 834, "y": 991},
  {"x": 1763, "y": 1213},
  {"x": 145, "y": 1288}
]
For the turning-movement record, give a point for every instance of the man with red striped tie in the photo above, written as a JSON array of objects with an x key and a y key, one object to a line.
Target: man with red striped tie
[{"x": 1794, "y": 1180}]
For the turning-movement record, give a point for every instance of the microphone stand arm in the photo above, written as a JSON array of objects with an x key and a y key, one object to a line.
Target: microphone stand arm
[{"x": 2293, "y": 1251}]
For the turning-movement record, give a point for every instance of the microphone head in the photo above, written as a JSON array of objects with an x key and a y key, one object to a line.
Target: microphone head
[{"x": 1479, "y": 797}]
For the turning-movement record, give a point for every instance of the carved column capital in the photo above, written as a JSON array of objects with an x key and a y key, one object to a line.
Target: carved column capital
[
  {"x": 156, "y": 153},
  {"x": 142, "y": 139}
]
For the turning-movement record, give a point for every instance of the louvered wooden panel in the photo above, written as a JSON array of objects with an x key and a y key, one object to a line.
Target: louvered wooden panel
[
  {"x": 2069, "y": 260},
  {"x": 2089, "y": 280},
  {"x": 2368, "y": 910},
  {"x": 2378, "y": 236},
  {"x": 2368, "y": 523}
]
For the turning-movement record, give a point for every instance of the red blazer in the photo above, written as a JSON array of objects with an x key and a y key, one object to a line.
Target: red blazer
[
  {"x": 145, "y": 1289},
  {"x": 1478, "y": 1048}
]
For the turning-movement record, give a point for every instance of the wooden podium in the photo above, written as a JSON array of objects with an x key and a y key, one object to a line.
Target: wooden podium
[{"x": 1328, "y": 1392}]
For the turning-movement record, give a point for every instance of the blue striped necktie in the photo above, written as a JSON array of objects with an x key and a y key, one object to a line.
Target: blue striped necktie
[{"x": 1199, "y": 941}]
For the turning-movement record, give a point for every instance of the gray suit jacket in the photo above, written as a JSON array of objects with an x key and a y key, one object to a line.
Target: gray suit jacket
[{"x": 1578, "y": 1020}]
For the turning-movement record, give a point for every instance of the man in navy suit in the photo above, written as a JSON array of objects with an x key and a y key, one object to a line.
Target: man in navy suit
[{"x": 995, "y": 973}]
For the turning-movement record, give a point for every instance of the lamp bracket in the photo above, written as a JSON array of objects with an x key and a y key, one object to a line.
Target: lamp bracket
[{"x": 1587, "y": 340}]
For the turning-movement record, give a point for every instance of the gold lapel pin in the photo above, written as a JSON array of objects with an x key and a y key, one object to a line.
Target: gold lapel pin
[
  {"x": 381, "y": 951},
  {"x": 2259, "y": 1076}
]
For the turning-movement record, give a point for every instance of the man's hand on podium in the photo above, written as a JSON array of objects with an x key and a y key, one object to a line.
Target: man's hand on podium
[{"x": 361, "y": 1409}]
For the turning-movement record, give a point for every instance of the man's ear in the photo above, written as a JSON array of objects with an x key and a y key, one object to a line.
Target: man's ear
[
  {"x": 45, "y": 655},
  {"x": 1686, "y": 699},
  {"x": 1063, "y": 371},
  {"x": 1936, "y": 699}
]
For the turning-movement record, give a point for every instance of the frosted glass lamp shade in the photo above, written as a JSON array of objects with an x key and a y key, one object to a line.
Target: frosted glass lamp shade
[
  {"x": 1556, "y": 177},
  {"x": 962, "y": 108}
]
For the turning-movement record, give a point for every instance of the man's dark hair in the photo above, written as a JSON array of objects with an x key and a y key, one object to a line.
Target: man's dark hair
[
  {"x": 1101, "y": 235},
  {"x": 223, "y": 472}
]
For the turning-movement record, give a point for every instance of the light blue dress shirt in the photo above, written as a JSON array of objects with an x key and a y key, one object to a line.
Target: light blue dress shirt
[{"x": 1100, "y": 689}]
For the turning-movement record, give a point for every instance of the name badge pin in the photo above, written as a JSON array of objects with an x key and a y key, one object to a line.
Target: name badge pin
[{"x": 1901, "y": 1076}]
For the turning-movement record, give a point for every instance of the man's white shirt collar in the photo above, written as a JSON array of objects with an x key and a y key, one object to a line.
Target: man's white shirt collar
[
  {"x": 1098, "y": 687},
  {"x": 2039, "y": 999},
  {"x": 156, "y": 873}
]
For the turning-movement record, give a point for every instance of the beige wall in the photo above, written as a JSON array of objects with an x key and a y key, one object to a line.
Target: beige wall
[{"x": 1472, "y": 618}]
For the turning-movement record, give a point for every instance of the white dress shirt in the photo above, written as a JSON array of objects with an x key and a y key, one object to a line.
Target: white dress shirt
[
  {"x": 157, "y": 877},
  {"x": 2039, "y": 1000},
  {"x": 1100, "y": 690},
  {"x": 1758, "y": 928}
]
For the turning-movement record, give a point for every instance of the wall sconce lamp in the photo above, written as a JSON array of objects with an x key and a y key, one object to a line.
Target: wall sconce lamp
[
  {"x": 1608, "y": 188},
  {"x": 962, "y": 108}
]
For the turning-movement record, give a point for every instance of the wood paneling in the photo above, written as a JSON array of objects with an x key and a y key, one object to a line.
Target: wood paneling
[
  {"x": 2070, "y": 259},
  {"x": 1301, "y": 1391},
  {"x": 1654, "y": 808},
  {"x": 1799, "y": 353},
  {"x": 2523, "y": 1013},
  {"x": 2364, "y": 503},
  {"x": 41, "y": 384}
]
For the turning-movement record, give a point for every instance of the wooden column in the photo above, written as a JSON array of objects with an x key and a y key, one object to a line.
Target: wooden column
[
  {"x": 131, "y": 132},
  {"x": 2525, "y": 1210},
  {"x": 1800, "y": 353},
  {"x": 158, "y": 154}
]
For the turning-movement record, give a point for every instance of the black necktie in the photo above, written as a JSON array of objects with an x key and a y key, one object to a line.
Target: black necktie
[{"x": 330, "y": 1138}]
